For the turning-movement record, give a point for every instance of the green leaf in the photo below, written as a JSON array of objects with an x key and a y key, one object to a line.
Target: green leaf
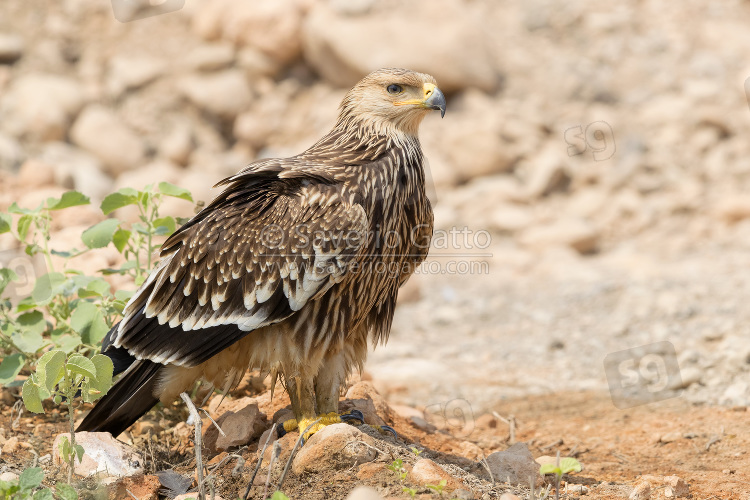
[
  {"x": 64, "y": 448},
  {"x": 65, "y": 341},
  {"x": 278, "y": 495},
  {"x": 5, "y": 221},
  {"x": 31, "y": 478},
  {"x": 168, "y": 189},
  {"x": 79, "y": 452},
  {"x": 33, "y": 321},
  {"x": 45, "y": 494},
  {"x": 568, "y": 465},
  {"x": 550, "y": 469},
  {"x": 15, "y": 209},
  {"x": 69, "y": 199},
  {"x": 10, "y": 368},
  {"x": 28, "y": 341},
  {"x": 120, "y": 239},
  {"x": 24, "y": 224},
  {"x": 88, "y": 321},
  {"x": 121, "y": 198},
  {"x": 48, "y": 286},
  {"x": 100, "y": 235},
  {"x": 31, "y": 398},
  {"x": 104, "y": 371},
  {"x": 82, "y": 365},
  {"x": 6, "y": 276},
  {"x": 96, "y": 288},
  {"x": 50, "y": 369},
  {"x": 164, "y": 226},
  {"x": 65, "y": 492}
]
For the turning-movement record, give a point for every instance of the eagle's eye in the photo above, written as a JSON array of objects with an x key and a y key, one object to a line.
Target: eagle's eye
[{"x": 394, "y": 89}]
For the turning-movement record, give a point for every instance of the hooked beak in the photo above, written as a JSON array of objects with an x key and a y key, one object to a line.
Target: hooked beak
[{"x": 433, "y": 99}]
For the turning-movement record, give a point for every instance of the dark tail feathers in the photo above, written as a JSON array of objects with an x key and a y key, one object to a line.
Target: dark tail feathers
[{"x": 127, "y": 401}]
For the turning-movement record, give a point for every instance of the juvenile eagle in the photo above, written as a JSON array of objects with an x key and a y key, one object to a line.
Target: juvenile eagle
[{"x": 292, "y": 269}]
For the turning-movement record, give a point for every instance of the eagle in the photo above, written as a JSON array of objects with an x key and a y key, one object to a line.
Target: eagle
[{"x": 293, "y": 269}]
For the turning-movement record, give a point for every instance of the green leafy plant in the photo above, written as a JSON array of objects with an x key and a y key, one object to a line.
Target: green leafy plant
[
  {"x": 412, "y": 492},
  {"x": 27, "y": 487},
  {"x": 54, "y": 330},
  {"x": 560, "y": 467},
  {"x": 278, "y": 495},
  {"x": 438, "y": 487},
  {"x": 65, "y": 377},
  {"x": 397, "y": 466}
]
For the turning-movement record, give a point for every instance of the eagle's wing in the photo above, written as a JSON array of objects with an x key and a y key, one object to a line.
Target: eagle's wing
[{"x": 275, "y": 239}]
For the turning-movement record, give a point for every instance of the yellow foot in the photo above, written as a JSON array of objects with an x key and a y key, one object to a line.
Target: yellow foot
[{"x": 317, "y": 423}]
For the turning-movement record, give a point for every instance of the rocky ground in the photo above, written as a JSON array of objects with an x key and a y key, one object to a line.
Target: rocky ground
[{"x": 590, "y": 187}]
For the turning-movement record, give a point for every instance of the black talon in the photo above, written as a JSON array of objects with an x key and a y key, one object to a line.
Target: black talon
[
  {"x": 280, "y": 431},
  {"x": 353, "y": 415},
  {"x": 390, "y": 429}
]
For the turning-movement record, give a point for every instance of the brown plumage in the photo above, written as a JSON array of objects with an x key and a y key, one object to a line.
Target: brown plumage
[{"x": 292, "y": 269}]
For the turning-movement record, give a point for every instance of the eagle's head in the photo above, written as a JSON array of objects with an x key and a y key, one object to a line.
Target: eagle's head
[{"x": 392, "y": 98}]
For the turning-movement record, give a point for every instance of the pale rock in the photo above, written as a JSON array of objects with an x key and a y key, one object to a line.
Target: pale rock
[
  {"x": 420, "y": 423},
  {"x": 365, "y": 397},
  {"x": 132, "y": 72},
  {"x": 256, "y": 63},
  {"x": 516, "y": 465},
  {"x": 8, "y": 476},
  {"x": 688, "y": 376},
  {"x": 736, "y": 394},
  {"x": 363, "y": 493},
  {"x": 676, "y": 487},
  {"x": 733, "y": 209},
  {"x": 509, "y": 496},
  {"x": 35, "y": 174},
  {"x": 76, "y": 169},
  {"x": 272, "y": 27},
  {"x": 140, "y": 177},
  {"x": 11, "y": 48},
  {"x": 210, "y": 57},
  {"x": 103, "y": 456},
  {"x": 641, "y": 491},
  {"x": 670, "y": 437},
  {"x": 574, "y": 233},
  {"x": 425, "y": 472},
  {"x": 335, "y": 447},
  {"x": 102, "y": 133},
  {"x": 224, "y": 93},
  {"x": 510, "y": 218},
  {"x": 339, "y": 46},
  {"x": 352, "y": 7},
  {"x": 177, "y": 144},
  {"x": 286, "y": 443},
  {"x": 11, "y": 445},
  {"x": 11, "y": 153},
  {"x": 41, "y": 106},
  {"x": 548, "y": 173},
  {"x": 406, "y": 411},
  {"x": 240, "y": 427}
]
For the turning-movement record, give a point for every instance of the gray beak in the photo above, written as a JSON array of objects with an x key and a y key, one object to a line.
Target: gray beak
[{"x": 436, "y": 101}]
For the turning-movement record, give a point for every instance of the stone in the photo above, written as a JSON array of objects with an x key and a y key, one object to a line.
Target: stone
[
  {"x": 240, "y": 428},
  {"x": 364, "y": 493},
  {"x": 101, "y": 132},
  {"x": 370, "y": 470},
  {"x": 272, "y": 27},
  {"x": 365, "y": 391},
  {"x": 733, "y": 209},
  {"x": 140, "y": 486},
  {"x": 736, "y": 394},
  {"x": 103, "y": 456},
  {"x": 515, "y": 465},
  {"x": 8, "y": 476},
  {"x": 77, "y": 169},
  {"x": 641, "y": 491},
  {"x": 548, "y": 174},
  {"x": 35, "y": 174},
  {"x": 11, "y": 445},
  {"x": 509, "y": 496},
  {"x": 210, "y": 57},
  {"x": 339, "y": 46},
  {"x": 132, "y": 72},
  {"x": 676, "y": 487},
  {"x": 11, "y": 48},
  {"x": 286, "y": 443},
  {"x": 577, "y": 234},
  {"x": 177, "y": 145},
  {"x": 425, "y": 472},
  {"x": 11, "y": 153},
  {"x": 41, "y": 106},
  {"x": 335, "y": 447},
  {"x": 509, "y": 217},
  {"x": 225, "y": 93}
]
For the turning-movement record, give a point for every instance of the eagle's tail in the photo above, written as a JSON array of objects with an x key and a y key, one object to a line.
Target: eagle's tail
[{"x": 126, "y": 401}]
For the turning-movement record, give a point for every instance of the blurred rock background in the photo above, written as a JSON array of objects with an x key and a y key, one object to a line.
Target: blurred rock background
[{"x": 602, "y": 149}]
